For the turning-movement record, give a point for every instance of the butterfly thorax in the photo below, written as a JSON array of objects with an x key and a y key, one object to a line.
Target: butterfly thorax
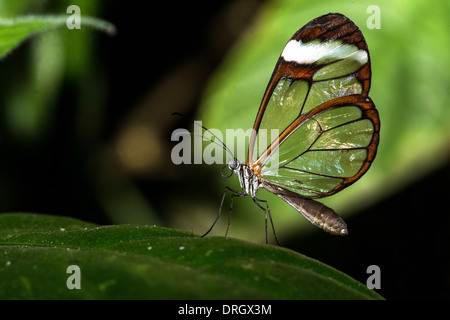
[{"x": 249, "y": 180}]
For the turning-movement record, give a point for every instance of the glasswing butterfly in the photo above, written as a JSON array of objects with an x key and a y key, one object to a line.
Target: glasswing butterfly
[{"x": 317, "y": 98}]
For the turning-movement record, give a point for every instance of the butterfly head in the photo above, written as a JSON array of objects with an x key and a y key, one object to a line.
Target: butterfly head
[{"x": 233, "y": 164}]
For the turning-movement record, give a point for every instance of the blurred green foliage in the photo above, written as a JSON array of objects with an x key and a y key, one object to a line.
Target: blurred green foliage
[
  {"x": 30, "y": 97},
  {"x": 53, "y": 110},
  {"x": 411, "y": 77}
]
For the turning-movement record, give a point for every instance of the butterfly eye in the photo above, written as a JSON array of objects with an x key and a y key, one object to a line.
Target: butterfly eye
[{"x": 232, "y": 164}]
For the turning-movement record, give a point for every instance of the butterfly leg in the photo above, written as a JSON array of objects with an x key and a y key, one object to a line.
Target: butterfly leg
[
  {"x": 267, "y": 213},
  {"x": 234, "y": 193}
]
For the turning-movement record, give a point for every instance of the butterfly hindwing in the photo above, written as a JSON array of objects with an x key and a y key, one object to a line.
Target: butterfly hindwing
[{"x": 339, "y": 141}]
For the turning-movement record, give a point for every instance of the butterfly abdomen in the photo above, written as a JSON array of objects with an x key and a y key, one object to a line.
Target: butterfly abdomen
[
  {"x": 324, "y": 217},
  {"x": 317, "y": 213}
]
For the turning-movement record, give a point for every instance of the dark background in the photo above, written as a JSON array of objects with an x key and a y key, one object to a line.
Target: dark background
[{"x": 76, "y": 164}]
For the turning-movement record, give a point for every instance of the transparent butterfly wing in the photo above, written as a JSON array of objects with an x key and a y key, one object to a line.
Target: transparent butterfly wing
[{"x": 318, "y": 101}]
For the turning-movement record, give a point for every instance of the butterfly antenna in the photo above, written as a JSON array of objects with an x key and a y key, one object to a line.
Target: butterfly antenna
[{"x": 205, "y": 138}]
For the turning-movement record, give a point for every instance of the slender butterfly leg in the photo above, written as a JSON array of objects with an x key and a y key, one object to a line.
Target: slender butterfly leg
[
  {"x": 234, "y": 193},
  {"x": 218, "y": 215},
  {"x": 267, "y": 212}
]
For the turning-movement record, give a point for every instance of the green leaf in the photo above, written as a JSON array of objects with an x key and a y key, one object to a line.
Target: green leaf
[
  {"x": 14, "y": 31},
  {"x": 144, "y": 262}
]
